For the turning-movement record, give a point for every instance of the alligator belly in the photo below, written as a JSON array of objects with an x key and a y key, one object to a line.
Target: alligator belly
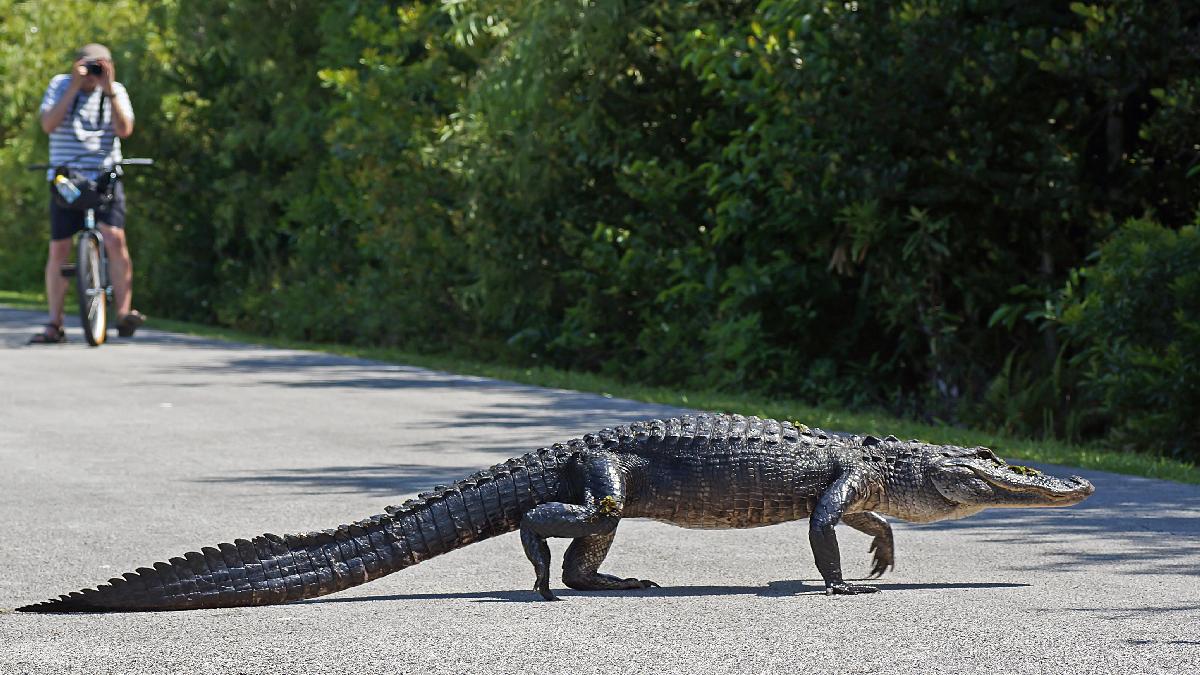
[
  {"x": 700, "y": 515},
  {"x": 722, "y": 492}
]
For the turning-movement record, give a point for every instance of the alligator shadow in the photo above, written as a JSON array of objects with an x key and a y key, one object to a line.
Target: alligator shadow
[{"x": 773, "y": 589}]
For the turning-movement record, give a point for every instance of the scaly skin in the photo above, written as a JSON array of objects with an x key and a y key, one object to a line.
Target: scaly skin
[{"x": 708, "y": 471}]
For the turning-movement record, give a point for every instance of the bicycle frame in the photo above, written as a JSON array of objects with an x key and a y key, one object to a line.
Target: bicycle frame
[{"x": 90, "y": 228}]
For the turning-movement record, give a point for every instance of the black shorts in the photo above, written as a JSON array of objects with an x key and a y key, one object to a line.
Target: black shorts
[{"x": 66, "y": 222}]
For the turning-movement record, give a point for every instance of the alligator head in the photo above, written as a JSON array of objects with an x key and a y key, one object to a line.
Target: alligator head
[
  {"x": 973, "y": 479},
  {"x": 931, "y": 482}
]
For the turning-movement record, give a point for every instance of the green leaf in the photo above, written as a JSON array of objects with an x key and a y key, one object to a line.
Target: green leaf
[{"x": 1083, "y": 10}]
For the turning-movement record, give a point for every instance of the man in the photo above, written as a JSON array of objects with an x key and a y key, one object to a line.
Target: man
[{"x": 87, "y": 113}]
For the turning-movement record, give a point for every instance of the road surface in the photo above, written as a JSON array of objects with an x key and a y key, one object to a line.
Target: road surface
[{"x": 116, "y": 457}]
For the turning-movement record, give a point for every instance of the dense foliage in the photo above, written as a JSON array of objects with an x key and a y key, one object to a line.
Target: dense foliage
[
  {"x": 875, "y": 204},
  {"x": 1139, "y": 331}
]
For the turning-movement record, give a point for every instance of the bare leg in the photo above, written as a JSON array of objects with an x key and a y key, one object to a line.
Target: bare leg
[
  {"x": 120, "y": 268},
  {"x": 56, "y": 285}
]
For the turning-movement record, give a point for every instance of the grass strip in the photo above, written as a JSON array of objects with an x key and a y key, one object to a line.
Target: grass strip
[
  {"x": 1088, "y": 456},
  {"x": 21, "y": 300}
]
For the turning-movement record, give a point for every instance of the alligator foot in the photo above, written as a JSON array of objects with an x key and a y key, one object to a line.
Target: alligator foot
[
  {"x": 605, "y": 582},
  {"x": 883, "y": 545},
  {"x": 849, "y": 589},
  {"x": 543, "y": 587},
  {"x": 884, "y": 558}
]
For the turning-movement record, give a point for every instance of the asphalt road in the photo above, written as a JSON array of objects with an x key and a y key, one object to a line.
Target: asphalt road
[{"x": 143, "y": 449}]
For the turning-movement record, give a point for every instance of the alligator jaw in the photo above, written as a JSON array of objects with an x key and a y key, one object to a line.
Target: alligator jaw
[
  {"x": 973, "y": 479},
  {"x": 1021, "y": 486}
]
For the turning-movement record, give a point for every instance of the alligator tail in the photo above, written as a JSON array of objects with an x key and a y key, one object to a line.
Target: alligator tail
[{"x": 271, "y": 569}]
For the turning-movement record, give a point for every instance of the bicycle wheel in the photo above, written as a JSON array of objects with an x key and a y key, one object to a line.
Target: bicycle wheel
[{"x": 89, "y": 282}]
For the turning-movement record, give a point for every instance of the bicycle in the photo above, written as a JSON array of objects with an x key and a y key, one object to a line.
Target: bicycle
[{"x": 90, "y": 270}]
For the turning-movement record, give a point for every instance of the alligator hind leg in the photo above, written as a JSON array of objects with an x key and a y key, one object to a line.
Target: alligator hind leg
[
  {"x": 597, "y": 515},
  {"x": 556, "y": 519},
  {"x": 582, "y": 562}
]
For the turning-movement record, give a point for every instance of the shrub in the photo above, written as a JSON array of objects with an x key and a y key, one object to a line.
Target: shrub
[{"x": 1138, "y": 325}]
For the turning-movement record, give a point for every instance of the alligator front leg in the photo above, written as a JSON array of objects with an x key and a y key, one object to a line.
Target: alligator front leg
[
  {"x": 840, "y": 495},
  {"x": 883, "y": 545}
]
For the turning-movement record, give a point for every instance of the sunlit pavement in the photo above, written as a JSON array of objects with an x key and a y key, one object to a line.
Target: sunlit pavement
[{"x": 115, "y": 457}]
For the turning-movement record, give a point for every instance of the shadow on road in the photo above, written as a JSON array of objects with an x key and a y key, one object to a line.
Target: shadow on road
[
  {"x": 315, "y": 370},
  {"x": 380, "y": 479},
  {"x": 774, "y": 589},
  {"x": 1122, "y": 613},
  {"x": 573, "y": 410}
]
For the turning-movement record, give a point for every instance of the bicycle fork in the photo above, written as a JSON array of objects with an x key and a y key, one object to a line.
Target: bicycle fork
[
  {"x": 68, "y": 270},
  {"x": 89, "y": 222}
]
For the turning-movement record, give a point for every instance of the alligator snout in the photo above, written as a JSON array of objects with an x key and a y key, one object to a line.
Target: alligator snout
[{"x": 1083, "y": 485}]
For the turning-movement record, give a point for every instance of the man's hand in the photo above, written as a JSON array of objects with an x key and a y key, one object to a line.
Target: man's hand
[
  {"x": 108, "y": 75},
  {"x": 121, "y": 121},
  {"x": 78, "y": 73}
]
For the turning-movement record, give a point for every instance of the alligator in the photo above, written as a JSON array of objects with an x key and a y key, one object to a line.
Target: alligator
[{"x": 708, "y": 471}]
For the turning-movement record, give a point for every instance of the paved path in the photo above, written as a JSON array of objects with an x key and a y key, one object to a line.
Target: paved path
[{"x": 116, "y": 457}]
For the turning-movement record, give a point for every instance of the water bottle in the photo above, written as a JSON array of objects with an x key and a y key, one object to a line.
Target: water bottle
[{"x": 66, "y": 188}]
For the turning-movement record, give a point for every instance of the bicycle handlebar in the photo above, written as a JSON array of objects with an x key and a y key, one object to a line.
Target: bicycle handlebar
[{"x": 132, "y": 161}]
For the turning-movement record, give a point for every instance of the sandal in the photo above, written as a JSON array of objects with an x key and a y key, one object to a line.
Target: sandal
[
  {"x": 53, "y": 334},
  {"x": 129, "y": 323}
]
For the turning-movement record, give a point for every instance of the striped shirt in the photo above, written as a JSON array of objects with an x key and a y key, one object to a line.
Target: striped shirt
[{"x": 83, "y": 131}]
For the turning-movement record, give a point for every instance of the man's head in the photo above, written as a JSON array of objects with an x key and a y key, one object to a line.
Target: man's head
[{"x": 90, "y": 57}]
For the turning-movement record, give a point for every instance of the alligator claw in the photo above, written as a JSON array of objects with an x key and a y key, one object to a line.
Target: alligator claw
[
  {"x": 848, "y": 589},
  {"x": 884, "y": 558},
  {"x": 878, "y": 569}
]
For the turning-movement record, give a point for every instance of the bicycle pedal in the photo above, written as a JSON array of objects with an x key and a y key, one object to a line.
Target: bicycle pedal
[{"x": 68, "y": 270}]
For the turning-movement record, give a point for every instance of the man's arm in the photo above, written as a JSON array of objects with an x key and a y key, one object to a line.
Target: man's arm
[
  {"x": 122, "y": 120},
  {"x": 122, "y": 113},
  {"x": 53, "y": 116}
]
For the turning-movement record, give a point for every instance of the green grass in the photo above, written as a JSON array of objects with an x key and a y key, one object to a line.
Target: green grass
[
  {"x": 1086, "y": 456},
  {"x": 22, "y": 300}
]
